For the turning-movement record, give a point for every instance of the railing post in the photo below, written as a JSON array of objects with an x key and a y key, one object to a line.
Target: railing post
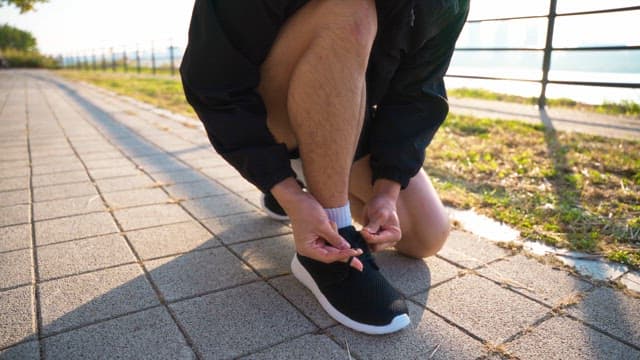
[
  {"x": 124, "y": 60},
  {"x": 137, "y": 59},
  {"x": 113, "y": 59},
  {"x": 548, "y": 48},
  {"x": 173, "y": 69},
  {"x": 153, "y": 60},
  {"x": 104, "y": 61}
]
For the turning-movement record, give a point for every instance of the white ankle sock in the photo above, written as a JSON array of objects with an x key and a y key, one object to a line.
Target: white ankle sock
[{"x": 341, "y": 215}]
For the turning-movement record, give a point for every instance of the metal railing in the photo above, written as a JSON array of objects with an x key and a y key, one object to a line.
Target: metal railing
[
  {"x": 548, "y": 49},
  {"x": 153, "y": 59}
]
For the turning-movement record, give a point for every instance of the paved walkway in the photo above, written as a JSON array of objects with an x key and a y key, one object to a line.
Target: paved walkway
[
  {"x": 123, "y": 235},
  {"x": 623, "y": 127}
]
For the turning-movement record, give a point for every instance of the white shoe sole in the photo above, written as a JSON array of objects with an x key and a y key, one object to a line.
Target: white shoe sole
[
  {"x": 270, "y": 213},
  {"x": 398, "y": 323}
]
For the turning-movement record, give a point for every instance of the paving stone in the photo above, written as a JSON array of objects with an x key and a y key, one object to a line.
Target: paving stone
[
  {"x": 150, "y": 334},
  {"x": 218, "y": 324},
  {"x": 237, "y": 184},
  {"x": 469, "y": 250},
  {"x": 221, "y": 172},
  {"x": 74, "y": 227},
  {"x": 148, "y": 216},
  {"x": 17, "y": 318},
  {"x": 87, "y": 298},
  {"x": 307, "y": 347},
  {"x": 164, "y": 163},
  {"x": 482, "y": 307},
  {"x": 532, "y": 278},
  {"x": 14, "y": 164},
  {"x": 195, "y": 190},
  {"x": 270, "y": 257},
  {"x": 82, "y": 255},
  {"x": 16, "y": 268},
  {"x": 14, "y": 183},
  {"x": 208, "y": 161},
  {"x": 632, "y": 281},
  {"x": 113, "y": 172},
  {"x": 178, "y": 177},
  {"x": 64, "y": 191},
  {"x": 61, "y": 178},
  {"x": 198, "y": 272},
  {"x": 137, "y": 197},
  {"x": 254, "y": 197},
  {"x": 67, "y": 207},
  {"x": 247, "y": 226},
  {"x": 289, "y": 287},
  {"x": 611, "y": 311},
  {"x": 55, "y": 152},
  {"x": 14, "y": 197},
  {"x": 214, "y": 206},
  {"x": 100, "y": 156},
  {"x": 25, "y": 351},
  {"x": 124, "y": 183},
  {"x": 53, "y": 168},
  {"x": 171, "y": 239},
  {"x": 108, "y": 163},
  {"x": 14, "y": 215},
  {"x": 14, "y": 172},
  {"x": 564, "y": 338},
  {"x": 411, "y": 276},
  {"x": 16, "y": 237},
  {"x": 427, "y": 337}
]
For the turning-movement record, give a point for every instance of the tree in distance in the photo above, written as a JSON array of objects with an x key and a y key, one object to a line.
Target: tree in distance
[{"x": 23, "y": 5}]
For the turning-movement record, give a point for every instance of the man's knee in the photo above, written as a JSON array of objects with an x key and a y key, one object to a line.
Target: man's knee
[
  {"x": 353, "y": 22},
  {"x": 421, "y": 241}
]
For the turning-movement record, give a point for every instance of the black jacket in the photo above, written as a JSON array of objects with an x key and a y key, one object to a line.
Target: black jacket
[{"x": 405, "y": 89}]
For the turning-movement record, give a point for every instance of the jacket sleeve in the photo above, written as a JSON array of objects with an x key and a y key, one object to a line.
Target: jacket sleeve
[
  {"x": 219, "y": 82},
  {"x": 415, "y": 105}
]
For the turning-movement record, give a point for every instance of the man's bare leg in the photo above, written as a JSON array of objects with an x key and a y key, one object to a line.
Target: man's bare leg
[
  {"x": 313, "y": 85},
  {"x": 423, "y": 218}
]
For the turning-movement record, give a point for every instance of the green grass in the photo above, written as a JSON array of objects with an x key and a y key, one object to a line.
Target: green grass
[
  {"x": 161, "y": 91},
  {"x": 625, "y": 107},
  {"x": 570, "y": 190}
]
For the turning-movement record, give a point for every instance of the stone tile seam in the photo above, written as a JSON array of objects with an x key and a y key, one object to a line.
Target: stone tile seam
[
  {"x": 35, "y": 292},
  {"x": 5, "y": 252},
  {"x": 188, "y": 340}
]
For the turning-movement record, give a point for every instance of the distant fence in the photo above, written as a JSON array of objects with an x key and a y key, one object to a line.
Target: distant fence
[
  {"x": 166, "y": 58},
  {"x": 548, "y": 49},
  {"x": 154, "y": 59}
]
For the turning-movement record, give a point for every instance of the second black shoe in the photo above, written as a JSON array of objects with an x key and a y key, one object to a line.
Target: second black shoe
[{"x": 363, "y": 301}]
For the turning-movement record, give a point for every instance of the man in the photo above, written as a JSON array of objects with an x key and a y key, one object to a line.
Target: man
[{"x": 356, "y": 87}]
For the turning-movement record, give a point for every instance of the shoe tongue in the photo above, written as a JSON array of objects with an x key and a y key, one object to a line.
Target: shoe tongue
[{"x": 354, "y": 238}]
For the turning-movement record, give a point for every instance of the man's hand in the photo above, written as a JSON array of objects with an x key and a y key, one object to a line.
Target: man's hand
[
  {"x": 382, "y": 227},
  {"x": 315, "y": 236}
]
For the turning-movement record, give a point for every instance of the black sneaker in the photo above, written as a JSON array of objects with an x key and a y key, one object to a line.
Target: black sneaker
[
  {"x": 363, "y": 301},
  {"x": 273, "y": 209}
]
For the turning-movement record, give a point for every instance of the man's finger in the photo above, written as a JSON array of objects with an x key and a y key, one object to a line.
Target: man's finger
[
  {"x": 328, "y": 233},
  {"x": 381, "y": 237},
  {"x": 330, "y": 254},
  {"x": 373, "y": 226}
]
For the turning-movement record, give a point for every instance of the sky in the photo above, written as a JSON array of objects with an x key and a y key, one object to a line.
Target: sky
[
  {"x": 68, "y": 26},
  {"x": 82, "y": 26}
]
